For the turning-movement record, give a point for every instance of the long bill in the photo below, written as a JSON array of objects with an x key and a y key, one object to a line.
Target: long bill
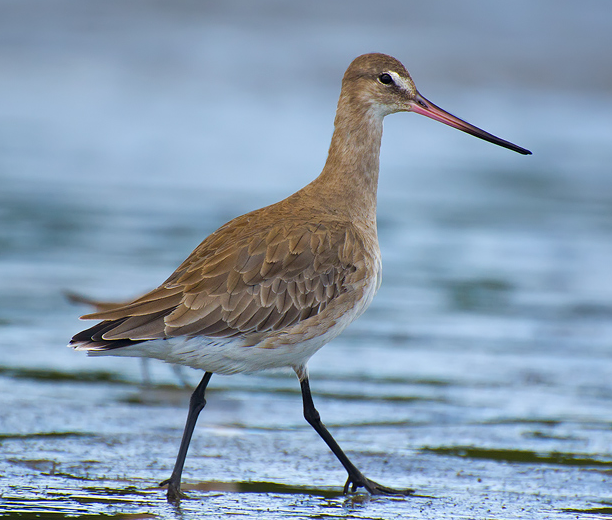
[{"x": 427, "y": 108}]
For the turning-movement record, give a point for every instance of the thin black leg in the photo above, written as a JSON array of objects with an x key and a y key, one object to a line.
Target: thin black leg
[
  {"x": 196, "y": 404},
  {"x": 355, "y": 479}
]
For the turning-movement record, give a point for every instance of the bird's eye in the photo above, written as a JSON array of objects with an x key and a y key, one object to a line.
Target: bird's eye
[{"x": 385, "y": 78}]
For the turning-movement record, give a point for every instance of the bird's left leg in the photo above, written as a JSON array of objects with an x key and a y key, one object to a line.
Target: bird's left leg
[{"x": 196, "y": 404}]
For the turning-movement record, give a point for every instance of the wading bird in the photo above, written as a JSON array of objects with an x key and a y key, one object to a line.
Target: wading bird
[{"x": 271, "y": 287}]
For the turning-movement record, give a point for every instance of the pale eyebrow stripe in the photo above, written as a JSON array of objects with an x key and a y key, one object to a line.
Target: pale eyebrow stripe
[{"x": 399, "y": 80}]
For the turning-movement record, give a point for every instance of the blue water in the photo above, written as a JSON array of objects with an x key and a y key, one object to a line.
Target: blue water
[{"x": 481, "y": 376}]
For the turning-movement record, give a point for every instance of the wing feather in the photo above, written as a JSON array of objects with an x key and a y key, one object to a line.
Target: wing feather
[
  {"x": 145, "y": 327},
  {"x": 241, "y": 280}
]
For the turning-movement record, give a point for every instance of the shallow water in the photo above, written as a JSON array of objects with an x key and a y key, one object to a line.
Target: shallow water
[{"x": 481, "y": 376}]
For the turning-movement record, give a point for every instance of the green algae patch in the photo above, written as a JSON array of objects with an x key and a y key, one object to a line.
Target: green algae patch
[{"x": 518, "y": 456}]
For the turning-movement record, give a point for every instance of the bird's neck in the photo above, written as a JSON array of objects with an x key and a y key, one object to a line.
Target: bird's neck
[{"x": 349, "y": 179}]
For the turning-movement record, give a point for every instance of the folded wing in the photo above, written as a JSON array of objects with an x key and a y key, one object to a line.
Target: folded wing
[{"x": 239, "y": 281}]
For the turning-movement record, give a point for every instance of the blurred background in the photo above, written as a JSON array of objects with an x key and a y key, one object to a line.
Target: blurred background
[{"x": 482, "y": 373}]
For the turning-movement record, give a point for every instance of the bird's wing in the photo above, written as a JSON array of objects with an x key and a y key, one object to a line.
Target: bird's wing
[{"x": 240, "y": 281}]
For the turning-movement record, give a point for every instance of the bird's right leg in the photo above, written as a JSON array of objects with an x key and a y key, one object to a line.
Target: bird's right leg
[
  {"x": 355, "y": 479},
  {"x": 196, "y": 404}
]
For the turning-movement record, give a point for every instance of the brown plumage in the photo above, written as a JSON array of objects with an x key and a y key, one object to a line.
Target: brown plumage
[
  {"x": 252, "y": 277},
  {"x": 269, "y": 288},
  {"x": 244, "y": 280}
]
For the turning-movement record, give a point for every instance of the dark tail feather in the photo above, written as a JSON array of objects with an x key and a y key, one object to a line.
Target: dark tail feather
[{"x": 91, "y": 338}]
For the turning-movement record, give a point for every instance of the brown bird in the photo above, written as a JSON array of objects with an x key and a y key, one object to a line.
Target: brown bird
[{"x": 270, "y": 288}]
